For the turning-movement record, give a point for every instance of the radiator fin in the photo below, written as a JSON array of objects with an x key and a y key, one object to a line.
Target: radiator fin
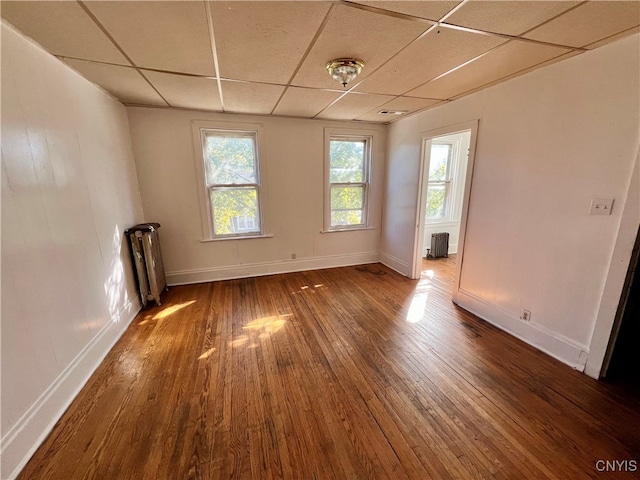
[
  {"x": 147, "y": 259},
  {"x": 439, "y": 245}
]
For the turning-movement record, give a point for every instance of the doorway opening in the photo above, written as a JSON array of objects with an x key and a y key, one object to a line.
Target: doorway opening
[
  {"x": 620, "y": 365},
  {"x": 445, "y": 187},
  {"x": 448, "y": 155}
]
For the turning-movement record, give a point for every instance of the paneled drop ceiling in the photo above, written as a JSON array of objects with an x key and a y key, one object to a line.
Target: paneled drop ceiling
[{"x": 268, "y": 57}]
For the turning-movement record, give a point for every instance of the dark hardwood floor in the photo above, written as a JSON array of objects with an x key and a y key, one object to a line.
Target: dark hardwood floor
[{"x": 346, "y": 373}]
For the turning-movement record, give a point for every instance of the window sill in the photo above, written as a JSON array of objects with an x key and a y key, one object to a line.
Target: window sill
[
  {"x": 441, "y": 223},
  {"x": 354, "y": 229},
  {"x": 242, "y": 237}
]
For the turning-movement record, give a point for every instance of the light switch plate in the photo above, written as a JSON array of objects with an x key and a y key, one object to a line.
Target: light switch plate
[{"x": 601, "y": 206}]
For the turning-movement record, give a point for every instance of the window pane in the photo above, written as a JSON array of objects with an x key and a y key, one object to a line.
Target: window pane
[
  {"x": 436, "y": 195},
  {"x": 235, "y": 210},
  {"x": 439, "y": 162},
  {"x": 347, "y": 205},
  {"x": 347, "y": 217},
  {"x": 230, "y": 160},
  {"x": 347, "y": 198},
  {"x": 346, "y": 161}
]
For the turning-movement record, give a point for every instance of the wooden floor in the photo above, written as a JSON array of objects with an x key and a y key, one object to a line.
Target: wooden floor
[{"x": 347, "y": 373}]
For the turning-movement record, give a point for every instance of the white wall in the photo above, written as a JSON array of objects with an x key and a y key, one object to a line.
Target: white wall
[
  {"x": 547, "y": 142},
  {"x": 617, "y": 272},
  {"x": 452, "y": 226},
  {"x": 292, "y": 174},
  {"x": 69, "y": 190}
]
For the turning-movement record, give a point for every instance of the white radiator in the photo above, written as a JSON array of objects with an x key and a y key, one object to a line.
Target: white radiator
[{"x": 147, "y": 258}]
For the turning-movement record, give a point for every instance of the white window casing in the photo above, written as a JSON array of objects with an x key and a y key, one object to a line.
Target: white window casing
[
  {"x": 347, "y": 180},
  {"x": 229, "y": 183}
]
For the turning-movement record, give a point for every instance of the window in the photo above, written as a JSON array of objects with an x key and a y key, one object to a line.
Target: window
[
  {"x": 232, "y": 182},
  {"x": 439, "y": 185},
  {"x": 348, "y": 181}
]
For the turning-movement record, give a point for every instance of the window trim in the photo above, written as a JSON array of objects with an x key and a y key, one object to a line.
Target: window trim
[
  {"x": 200, "y": 131},
  {"x": 340, "y": 134},
  {"x": 449, "y": 183}
]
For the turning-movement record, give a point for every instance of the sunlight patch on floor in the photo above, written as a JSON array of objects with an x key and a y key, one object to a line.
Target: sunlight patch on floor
[
  {"x": 267, "y": 325},
  {"x": 239, "y": 341},
  {"x": 206, "y": 354},
  {"x": 165, "y": 312},
  {"x": 310, "y": 288},
  {"x": 419, "y": 301},
  {"x": 260, "y": 329},
  {"x": 172, "y": 309}
]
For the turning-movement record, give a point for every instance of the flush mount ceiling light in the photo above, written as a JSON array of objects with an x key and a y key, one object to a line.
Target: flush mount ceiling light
[{"x": 344, "y": 69}]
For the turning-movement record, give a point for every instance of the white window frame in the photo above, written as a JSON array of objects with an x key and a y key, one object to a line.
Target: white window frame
[
  {"x": 200, "y": 131},
  {"x": 334, "y": 134},
  {"x": 449, "y": 183}
]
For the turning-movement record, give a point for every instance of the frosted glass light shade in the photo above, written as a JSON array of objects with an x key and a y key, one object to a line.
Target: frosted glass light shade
[{"x": 344, "y": 70}]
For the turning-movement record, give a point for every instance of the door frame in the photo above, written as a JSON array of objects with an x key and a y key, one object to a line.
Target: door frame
[
  {"x": 622, "y": 307},
  {"x": 426, "y": 138}
]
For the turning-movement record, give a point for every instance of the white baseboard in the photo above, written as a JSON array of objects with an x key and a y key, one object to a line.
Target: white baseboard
[
  {"x": 394, "y": 263},
  {"x": 23, "y": 439},
  {"x": 552, "y": 343},
  {"x": 201, "y": 275},
  {"x": 593, "y": 371},
  {"x": 453, "y": 249}
]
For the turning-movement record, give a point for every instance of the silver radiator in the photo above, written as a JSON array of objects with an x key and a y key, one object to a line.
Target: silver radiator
[
  {"x": 439, "y": 245},
  {"x": 147, "y": 258}
]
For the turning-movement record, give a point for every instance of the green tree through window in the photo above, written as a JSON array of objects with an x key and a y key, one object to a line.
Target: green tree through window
[
  {"x": 231, "y": 171},
  {"x": 439, "y": 181},
  {"x": 348, "y": 171}
]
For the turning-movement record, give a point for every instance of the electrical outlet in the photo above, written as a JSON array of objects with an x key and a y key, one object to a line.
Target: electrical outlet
[
  {"x": 293, "y": 256},
  {"x": 525, "y": 315},
  {"x": 601, "y": 206}
]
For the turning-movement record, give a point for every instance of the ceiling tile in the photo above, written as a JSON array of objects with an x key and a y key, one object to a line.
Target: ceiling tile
[
  {"x": 501, "y": 62},
  {"x": 160, "y": 35},
  {"x": 508, "y": 17},
  {"x": 352, "y": 105},
  {"x": 437, "y": 52},
  {"x": 613, "y": 38},
  {"x": 401, "y": 103},
  {"x": 572, "y": 53},
  {"x": 63, "y": 28},
  {"x": 431, "y": 10},
  {"x": 589, "y": 23},
  {"x": 352, "y": 32},
  {"x": 264, "y": 41},
  {"x": 184, "y": 91},
  {"x": 305, "y": 102},
  {"x": 244, "y": 97},
  {"x": 124, "y": 83}
]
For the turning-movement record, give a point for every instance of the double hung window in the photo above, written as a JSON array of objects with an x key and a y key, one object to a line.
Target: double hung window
[
  {"x": 232, "y": 182},
  {"x": 349, "y": 159},
  {"x": 439, "y": 186}
]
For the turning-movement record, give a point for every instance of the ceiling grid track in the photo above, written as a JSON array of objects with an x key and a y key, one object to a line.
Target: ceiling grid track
[
  {"x": 388, "y": 13},
  {"x": 214, "y": 51},
  {"x": 549, "y": 20},
  {"x": 113, "y": 40},
  {"x": 509, "y": 37},
  {"x": 407, "y": 63},
  {"x": 515, "y": 74},
  {"x": 453, "y": 10},
  {"x": 435, "y": 25},
  {"x": 442, "y": 22},
  {"x": 384, "y": 12},
  {"x": 325, "y": 20}
]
